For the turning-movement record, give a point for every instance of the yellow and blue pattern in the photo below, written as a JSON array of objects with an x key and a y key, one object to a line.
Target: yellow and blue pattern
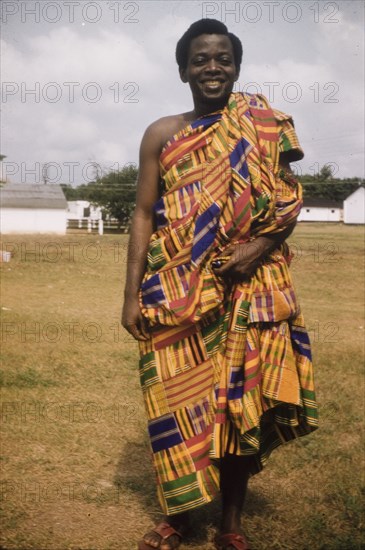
[{"x": 227, "y": 369}]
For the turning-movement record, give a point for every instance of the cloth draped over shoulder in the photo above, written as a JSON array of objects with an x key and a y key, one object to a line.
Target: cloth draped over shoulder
[{"x": 227, "y": 369}]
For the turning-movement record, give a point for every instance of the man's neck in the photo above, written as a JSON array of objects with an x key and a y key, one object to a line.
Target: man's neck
[{"x": 203, "y": 109}]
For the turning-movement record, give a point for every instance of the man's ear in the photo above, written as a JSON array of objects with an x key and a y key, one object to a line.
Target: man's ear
[{"x": 183, "y": 75}]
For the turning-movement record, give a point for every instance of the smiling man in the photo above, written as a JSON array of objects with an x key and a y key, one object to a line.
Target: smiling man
[{"x": 225, "y": 362}]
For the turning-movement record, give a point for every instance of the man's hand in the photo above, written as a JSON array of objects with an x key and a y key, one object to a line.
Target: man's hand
[
  {"x": 133, "y": 320},
  {"x": 244, "y": 259}
]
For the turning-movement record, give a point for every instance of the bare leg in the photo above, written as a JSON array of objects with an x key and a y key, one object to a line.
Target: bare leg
[{"x": 234, "y": 472}]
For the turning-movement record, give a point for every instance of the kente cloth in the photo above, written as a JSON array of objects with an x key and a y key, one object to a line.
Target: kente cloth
[{"x": 227, "y": 367}]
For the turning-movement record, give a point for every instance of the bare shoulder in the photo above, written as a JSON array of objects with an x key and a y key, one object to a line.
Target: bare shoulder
[
  {"x": 152, "y": 143},
  {"x": 162, "y": 129}
]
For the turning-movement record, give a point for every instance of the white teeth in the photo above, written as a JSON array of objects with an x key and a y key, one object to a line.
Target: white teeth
[{"x": 212, "y": 82}]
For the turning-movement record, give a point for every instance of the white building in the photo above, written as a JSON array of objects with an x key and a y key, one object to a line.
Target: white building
[
  {"x": 354, "y": 207},
  {"x": 32, "y": 208},
  {"x": 78, "y": 210},
  {"x": 319, "y": 209}
]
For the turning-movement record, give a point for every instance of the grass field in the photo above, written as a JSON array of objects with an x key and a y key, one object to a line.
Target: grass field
[{"x": 76, "y": 470}]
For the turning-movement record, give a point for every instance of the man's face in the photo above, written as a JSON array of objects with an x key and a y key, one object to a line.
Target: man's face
[{"x": 210, "y": 71}]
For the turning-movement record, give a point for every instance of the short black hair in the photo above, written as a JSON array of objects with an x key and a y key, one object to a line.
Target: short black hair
[{"x": 206, "y": 26}]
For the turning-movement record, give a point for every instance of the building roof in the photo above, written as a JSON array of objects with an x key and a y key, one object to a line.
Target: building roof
[
  {"x": 32, "y": 195},
  {"x": 357, "y": 191},
  {"x": 321, "y": 202}
]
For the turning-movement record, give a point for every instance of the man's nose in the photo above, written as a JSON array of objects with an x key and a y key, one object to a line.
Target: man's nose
[{"x": 212, "y": 65}]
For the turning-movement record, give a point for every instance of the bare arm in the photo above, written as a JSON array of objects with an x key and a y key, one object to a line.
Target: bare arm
[{"x": 141, "y": 230}]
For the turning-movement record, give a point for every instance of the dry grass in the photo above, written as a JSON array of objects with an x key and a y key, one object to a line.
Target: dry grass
[{"x": 76, "y": 470}]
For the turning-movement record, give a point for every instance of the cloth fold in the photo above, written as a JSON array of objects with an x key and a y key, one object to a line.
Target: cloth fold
[
  {"x": 227, "y": 369},
  {"x": 222, "y": 186}
]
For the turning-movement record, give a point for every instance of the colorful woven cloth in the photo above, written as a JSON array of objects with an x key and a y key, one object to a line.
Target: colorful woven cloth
[{"x": 227, "y": 368}]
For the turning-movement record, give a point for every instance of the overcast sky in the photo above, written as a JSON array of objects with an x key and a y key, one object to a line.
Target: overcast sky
[{"x": 83, "y": 79}]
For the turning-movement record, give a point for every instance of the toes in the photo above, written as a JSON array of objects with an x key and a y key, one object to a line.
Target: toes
[
  {"x": 154, "y": 541},
  {"x": 151, "y": 541},
  {"x": 171, "y": 543}
]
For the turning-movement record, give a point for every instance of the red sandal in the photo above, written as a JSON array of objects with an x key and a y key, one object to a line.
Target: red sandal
[
  {"x": 239, "y": 542},
  {"x": 165, "y": 531}
]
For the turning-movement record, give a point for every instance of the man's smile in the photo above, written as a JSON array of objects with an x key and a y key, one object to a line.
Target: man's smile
[{"x": 212, "y": 84}]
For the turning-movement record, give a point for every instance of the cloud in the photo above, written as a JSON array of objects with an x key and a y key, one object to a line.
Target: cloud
[{"x": 97, "y": 87}]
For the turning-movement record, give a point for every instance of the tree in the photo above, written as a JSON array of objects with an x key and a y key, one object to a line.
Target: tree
[
  {"x": 337, "y": 191},
  {"x": 115, "y": 193},
  {"x": 325, "y": 173},
  {"x": 75, "y": 193},
  {"x": 325, "y": 185}
]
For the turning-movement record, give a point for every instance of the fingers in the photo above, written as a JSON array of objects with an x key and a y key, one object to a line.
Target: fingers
[
  {"x": 137, "y": 331},
  {"x": 227, "y": 266},
  {"x": 134, "y": 322},
  {"x": 137, "y": 328},
  {"x": 239, "y": 265},
  {"x": 232, "y": 271}
]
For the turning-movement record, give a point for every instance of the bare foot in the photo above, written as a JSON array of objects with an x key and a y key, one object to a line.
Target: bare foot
[
  {"x": 153, "y": 539},
  {"x": 232, "y": 541}
]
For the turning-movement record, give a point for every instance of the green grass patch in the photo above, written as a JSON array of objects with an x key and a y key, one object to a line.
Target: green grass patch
[
  {"x": 76, "y": 464},
  {"x": 27, "y": 378}
]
